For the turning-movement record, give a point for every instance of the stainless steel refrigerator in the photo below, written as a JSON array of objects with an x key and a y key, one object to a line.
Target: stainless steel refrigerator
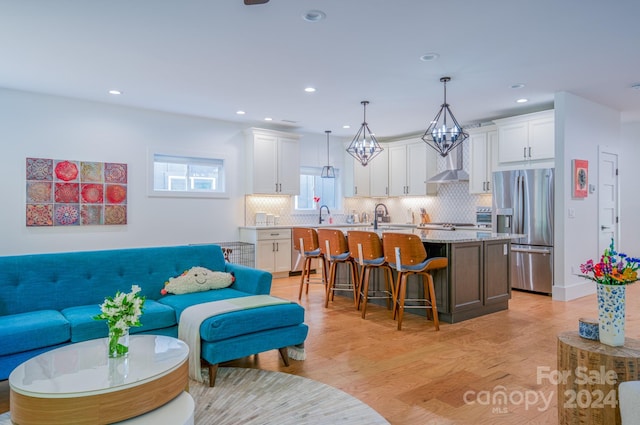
[{"x": 523, "y": 203}]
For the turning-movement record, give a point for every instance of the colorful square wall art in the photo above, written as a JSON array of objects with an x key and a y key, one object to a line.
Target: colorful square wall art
[{"x": 75, "y": 193}]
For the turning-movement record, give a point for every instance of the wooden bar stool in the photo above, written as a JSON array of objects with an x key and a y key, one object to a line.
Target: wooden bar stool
[
  {"x": 406, "y": 253},
  {"x": 333, "y": 245},
  {"x": 366, "y": 248},
  {"x": 305, "y": 241}
]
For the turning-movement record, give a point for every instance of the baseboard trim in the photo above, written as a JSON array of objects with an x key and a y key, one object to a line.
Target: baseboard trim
[{"x": 573, "y": 291}]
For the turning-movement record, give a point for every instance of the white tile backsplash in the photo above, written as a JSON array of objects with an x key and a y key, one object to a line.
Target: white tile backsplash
[{"x": 453, "y": 204}]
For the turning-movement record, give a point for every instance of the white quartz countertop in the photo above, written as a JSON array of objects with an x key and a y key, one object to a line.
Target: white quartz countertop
[
  {"x": 444, "y": 236},
  {"x": 427, "y": 235}
]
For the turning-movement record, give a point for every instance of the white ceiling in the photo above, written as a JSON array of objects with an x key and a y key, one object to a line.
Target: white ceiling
[{"x": 211, "y": 58}]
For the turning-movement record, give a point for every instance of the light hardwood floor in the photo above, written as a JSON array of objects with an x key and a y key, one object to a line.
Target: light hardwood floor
[{"x": 419, "y": 376}]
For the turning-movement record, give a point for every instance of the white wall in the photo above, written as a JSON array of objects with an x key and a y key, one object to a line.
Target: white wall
[
  {"x": 630, "y": 194},
  {"x": 581, "y": 127},
  {"x": 33, "y": 125}
]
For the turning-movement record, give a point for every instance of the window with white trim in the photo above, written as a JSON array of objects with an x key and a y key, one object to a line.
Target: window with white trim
[
  {"x": 177, "y": 175},
  {"x": 313, "y": 187}
]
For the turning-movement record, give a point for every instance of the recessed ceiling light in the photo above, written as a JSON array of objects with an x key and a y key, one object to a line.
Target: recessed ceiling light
[
  {"x": 346, "y": 126},
  {"x": 523, "y": 100},
  {"x": 635, "y": 86},
  {"x": 268, "y": 119},
  {"x": 310, "y": 89},
  {"x": 314, "y": 15},
  {"x": 429, "y": 57},
  {"x": 240, "y": 112},
  {"x": 517, "y": 86},
  {"x": 115, "y": 92}
]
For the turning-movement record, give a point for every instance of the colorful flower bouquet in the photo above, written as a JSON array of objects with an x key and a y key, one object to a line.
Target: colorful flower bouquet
[
  {"x": 613, "y": 269},
  {"x": 121, "y": 312},
  {"x": 612, "y": 273}
]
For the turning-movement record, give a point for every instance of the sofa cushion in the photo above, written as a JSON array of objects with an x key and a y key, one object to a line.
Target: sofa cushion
[
  {"x": 32, "y": 330},
  {"x": 182, "y": 301},
  {"x": 83, "y": 326}
]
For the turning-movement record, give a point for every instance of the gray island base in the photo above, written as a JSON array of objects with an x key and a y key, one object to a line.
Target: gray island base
[{"x": 477, "y": 280}]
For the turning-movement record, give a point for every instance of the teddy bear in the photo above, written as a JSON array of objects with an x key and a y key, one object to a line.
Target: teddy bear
[{"x": 197, "y": 279}]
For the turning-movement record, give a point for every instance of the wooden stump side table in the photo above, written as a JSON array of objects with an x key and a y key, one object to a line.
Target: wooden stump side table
[{"x": 588, "y": 376}]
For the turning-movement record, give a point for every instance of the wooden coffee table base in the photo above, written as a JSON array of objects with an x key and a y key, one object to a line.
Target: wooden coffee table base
[{"x": 106, "y": 408}]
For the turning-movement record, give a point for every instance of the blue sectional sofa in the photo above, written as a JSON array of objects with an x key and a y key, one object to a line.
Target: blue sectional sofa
[{"x": 49, "y": 300}]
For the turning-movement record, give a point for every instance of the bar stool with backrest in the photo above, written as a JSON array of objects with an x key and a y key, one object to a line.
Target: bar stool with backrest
[
  {"x": 366, "y": 248},
  {"x": 406, "y": 253},
  {"x": 333, "y": 245},
  {"x": 305, "y": 241}
]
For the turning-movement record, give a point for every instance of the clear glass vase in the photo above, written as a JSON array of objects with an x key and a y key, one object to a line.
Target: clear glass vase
[
  {"x": 118, "y": 343},
  {"x": 611, "y": 314}
]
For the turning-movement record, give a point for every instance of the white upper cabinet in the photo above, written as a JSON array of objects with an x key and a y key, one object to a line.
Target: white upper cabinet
[
  {"x": 273, "y": 162},
  {"x": 370, "y": 180},
  {"x": 483, "y": 145},
  {"x": 361, "y": 178},
  {"x": 410, "y": 166},
  {"x": 526, "y": 138},
  {"x": 379, "y": 174}
]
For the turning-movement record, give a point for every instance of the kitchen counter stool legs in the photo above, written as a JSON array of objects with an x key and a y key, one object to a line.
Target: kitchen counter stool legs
[
  {"x": 406, "y": 254},
  {"x": 366, "y": 247},
  {"x": 334, "y": 246},
  {"x": 305, "y": 241}
]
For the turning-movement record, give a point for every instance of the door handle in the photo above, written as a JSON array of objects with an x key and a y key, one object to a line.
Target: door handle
[
  {"x": 605, "y": 228},
  {"x": 532, "y": 250},
  {"x": 524, "y": 152}
]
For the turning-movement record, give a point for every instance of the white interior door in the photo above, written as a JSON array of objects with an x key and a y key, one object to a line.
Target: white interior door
[{"x": 607, "y": 198}]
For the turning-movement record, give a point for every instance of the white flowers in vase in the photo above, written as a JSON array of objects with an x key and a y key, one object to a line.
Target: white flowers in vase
[{"x": 121, "y": 312}]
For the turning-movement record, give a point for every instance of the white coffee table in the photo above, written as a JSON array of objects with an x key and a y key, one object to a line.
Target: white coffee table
[{"x": 79, "y": 384}]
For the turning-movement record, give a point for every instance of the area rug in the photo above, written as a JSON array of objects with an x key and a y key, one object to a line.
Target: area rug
[{"x": 254, "y": 396}]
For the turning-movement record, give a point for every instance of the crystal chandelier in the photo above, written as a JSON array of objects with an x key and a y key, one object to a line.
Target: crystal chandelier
[
  {"x": 364, "y": 147},
  {"x": 327, "y": 171},
  {"x": 444, "y": 134}
]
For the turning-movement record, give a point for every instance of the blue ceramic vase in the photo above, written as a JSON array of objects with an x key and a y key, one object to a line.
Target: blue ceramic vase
[{"x": 611, "y": 314}]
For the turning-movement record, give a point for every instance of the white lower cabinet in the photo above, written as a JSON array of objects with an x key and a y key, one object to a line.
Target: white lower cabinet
[{"x": 273, "y": 249}]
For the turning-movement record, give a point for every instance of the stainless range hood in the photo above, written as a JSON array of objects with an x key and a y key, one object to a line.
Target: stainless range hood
[{"x": 454, "y": 171}]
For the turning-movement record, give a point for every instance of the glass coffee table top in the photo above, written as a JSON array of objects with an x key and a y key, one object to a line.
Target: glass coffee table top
[{"x": 84, "y": 368}]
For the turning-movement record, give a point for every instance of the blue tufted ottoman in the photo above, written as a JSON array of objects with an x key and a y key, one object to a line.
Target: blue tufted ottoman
[{"x": 241, "y": 333}]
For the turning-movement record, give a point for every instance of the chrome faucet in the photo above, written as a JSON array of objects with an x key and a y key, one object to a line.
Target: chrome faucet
[
  {"x": 320, "y": 220},
  {"x": 375, "y": 214}
]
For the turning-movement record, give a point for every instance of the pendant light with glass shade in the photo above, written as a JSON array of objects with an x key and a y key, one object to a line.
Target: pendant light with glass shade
[
  {"x": 364, "y": 147},
  {"x": 444, "y": 133},
  {"x": 327, "y": 171}
]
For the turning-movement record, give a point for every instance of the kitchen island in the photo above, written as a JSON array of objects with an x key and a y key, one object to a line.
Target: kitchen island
[{"x": 476, "y": 281}]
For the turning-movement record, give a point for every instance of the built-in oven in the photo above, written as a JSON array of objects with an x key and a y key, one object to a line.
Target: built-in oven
[{"x": 483, "y": 217}]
